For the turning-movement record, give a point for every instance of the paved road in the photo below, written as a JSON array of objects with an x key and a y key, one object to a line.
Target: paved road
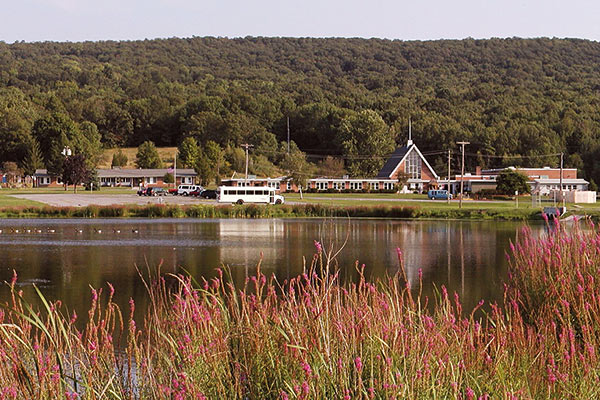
[{"x": 82, "y": 200}]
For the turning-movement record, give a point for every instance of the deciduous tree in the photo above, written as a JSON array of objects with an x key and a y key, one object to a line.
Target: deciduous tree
[
  {"x": 75, "y": 170},
  {"x": 188, "y": 152},
  {"x": 147, "y": 156},
  {"x": 366, "y": 140},
  {"x": 510, "y": 181}
]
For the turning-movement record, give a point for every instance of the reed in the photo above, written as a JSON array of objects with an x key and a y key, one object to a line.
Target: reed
[
  {"x": 316, "y": 337},
  {"x": 264, "y": 211}
]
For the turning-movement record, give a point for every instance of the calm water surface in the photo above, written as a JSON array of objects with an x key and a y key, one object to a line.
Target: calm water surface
[{"x": 68, "y": 256}]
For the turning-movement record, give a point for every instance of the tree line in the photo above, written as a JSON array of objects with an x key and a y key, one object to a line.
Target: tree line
[{"x": 516, "y": 100}]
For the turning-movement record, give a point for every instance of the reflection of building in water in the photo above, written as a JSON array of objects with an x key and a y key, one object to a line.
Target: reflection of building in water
[
  {"x": 243, "y": 242},
  {"x": 421, "y": 245},
  {"x": 460, "y": 247}
]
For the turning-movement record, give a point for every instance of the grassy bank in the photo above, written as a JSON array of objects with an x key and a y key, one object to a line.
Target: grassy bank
[
  {"x": 315, "y": 337},
  {"x": 261, "y": 211}
]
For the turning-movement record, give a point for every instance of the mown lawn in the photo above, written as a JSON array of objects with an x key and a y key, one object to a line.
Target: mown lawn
[{"x": 368, "y": 199}]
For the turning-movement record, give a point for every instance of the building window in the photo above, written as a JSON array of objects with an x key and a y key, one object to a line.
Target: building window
[
  {"x": 374, "y": 185},
  {"x": 355, "y": 185},
  {"x": 288, "y": 186},
  {"x": 412, "y": 166},
  {"x": 338, "y": 185},
  {"x": 388, "y": 185},
  {"x": 321, "y": 185}
]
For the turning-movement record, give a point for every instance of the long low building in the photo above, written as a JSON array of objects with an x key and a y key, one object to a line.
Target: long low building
[
  {"x": 542, "y": 181},
  {"x": 122, "y": 177},
  {"x": 284, "y": 184}
]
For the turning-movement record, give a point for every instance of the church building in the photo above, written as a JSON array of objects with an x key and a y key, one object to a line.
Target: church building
[{"x": 410, "y": 162}]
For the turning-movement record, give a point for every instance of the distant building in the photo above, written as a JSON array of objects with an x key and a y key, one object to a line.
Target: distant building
[
  {"x": 410, "y": 161},
  {"x": 123, "y": 177},
  {"x": 541, "y": 180},
  {"x": 284, "y": 184}
]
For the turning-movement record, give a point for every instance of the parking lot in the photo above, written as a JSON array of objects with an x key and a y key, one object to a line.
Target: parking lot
[{"x": 82, "y": 200}]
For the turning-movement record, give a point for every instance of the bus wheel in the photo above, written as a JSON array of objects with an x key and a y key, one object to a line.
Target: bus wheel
[
  {"x": 278, "y": 201},
  {"x": 240, "y": 202}
]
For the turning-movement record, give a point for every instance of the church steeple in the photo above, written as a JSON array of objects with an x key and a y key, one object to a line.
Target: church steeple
[{"x": 410, "y": 142}]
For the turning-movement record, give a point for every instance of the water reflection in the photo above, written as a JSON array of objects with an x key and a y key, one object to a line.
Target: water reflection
[{"x": 64, "y": 257}]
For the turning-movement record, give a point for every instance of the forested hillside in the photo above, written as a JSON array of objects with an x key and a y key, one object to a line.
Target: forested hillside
[{"x": 508, "y": 97}]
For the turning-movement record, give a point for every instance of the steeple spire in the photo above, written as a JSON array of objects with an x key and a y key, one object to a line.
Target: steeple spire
[{"x": 410, "y": 142}]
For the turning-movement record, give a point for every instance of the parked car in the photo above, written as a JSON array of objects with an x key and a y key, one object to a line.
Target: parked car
[
  {"x": 158, "y": 192},
  {"x": 208, "y": 194},
  {"x": 173, "y": 191},
  {"x": 196, "y": 193},
  {"x": 143, "y": 191},
  {"x": 185, "y": 190},
  {"x": 439, "y": 195}
]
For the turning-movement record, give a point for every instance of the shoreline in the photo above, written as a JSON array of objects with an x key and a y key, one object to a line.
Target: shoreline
[{"x": 252, "y": 211}]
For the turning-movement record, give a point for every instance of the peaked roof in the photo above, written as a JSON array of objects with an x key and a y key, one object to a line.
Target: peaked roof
[{"x": 392, "y": 163}]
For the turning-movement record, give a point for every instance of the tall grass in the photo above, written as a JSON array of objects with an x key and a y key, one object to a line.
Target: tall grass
[
  {"x": 262, "y": 211},
  {"x": 315, "y": 336}
]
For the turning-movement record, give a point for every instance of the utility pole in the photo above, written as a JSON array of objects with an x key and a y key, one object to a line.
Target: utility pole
[
  {"x": 562, "y": 194},
  {"x": 288, "y": 133},
  {"x": 462, "y": 172},
  {"x": 448, "y": 184},
  {"x": 247, "y": 146}
]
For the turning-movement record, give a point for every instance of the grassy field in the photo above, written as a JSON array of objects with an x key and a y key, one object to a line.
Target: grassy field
[
  {"x": 369, "y": 199},
  {"x": 166, "y": 155},
  {"x": 315, "y": 205}
]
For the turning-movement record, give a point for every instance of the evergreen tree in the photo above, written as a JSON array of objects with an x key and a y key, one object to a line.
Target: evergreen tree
[
  {"x": 33, "y": 158},
  {"x": 119, "y": 159}
]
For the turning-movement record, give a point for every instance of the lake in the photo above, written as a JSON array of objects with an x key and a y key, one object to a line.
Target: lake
[{"x": 64, "y": 257}]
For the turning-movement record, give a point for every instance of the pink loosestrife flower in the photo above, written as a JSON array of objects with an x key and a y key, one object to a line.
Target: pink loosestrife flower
[
  {"x": 470, "y": 393},
  {"x": 306, "y": 368},
  {"x": 318, "y": 246},
  {"x": 358, "y": 364}
]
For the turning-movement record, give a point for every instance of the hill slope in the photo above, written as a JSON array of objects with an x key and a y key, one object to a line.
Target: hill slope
[{"x": 509, "y": 97}]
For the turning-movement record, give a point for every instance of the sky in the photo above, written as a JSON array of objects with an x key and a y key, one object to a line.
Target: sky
[{"x": 81, "y": 20}]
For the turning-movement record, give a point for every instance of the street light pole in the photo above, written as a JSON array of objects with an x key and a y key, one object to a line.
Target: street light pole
[
  {"x": 247, "y": 146},
  {"x": 448, "y": 182},
  {"x": 562, "y": 194},
  {"x": 462, "y": 172},
  {"x": 66, "y": 151}
]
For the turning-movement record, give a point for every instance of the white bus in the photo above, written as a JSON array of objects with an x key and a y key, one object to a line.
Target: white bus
[{"x": 249, "y": 194}]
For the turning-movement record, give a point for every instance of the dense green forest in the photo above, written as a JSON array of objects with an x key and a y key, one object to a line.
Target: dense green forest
[{"x": 347, "y": 97}]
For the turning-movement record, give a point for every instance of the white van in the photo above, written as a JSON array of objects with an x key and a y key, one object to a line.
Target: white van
[
  {"x": 185, "y": 190},
  {"x": 249, "y": 194}
]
